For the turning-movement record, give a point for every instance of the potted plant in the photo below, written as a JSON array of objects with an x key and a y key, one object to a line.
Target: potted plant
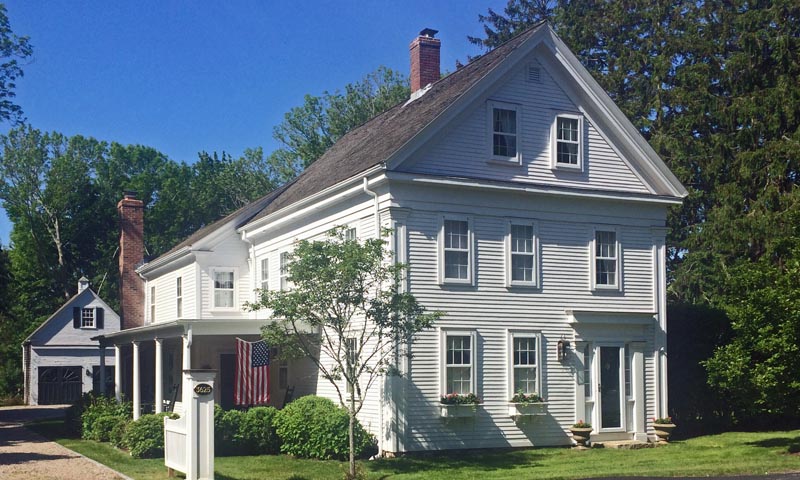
[
  {"x": 580, "y": 432},
  {"x": 459, "y": 405},
  {"x": 526, "y": 404},
  {"x": 663, "y": 427}
]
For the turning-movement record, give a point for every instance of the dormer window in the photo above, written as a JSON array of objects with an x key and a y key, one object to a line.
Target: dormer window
[
  {"x": 567, "y": 145},
  {"x": 87, "y": 318},
  {"x": 504, "y": 132},
  {"x": 223, "y": 288}
]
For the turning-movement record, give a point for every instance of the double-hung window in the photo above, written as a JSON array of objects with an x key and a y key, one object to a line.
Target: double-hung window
[
  {"x": 350, "y": 234},
  {"x": 456, "y": 251},
  {"x": 459, "y": 362},
  {"x": 504, "y": 131},
  {"x": 606, "y": 259},
  {"x": 525, "y": 363},
  {"x": 87, "y": 318},
  {"x": 284, "y": 273},
  {"x": 152, "y": 304},
  {"x": 567, "y": 144},
  {"x": 522, "y": 254},
  {"x": 179, "y": 296},
  {"x": 264, "y": 274},
  {"x": 224, "y": 288}
]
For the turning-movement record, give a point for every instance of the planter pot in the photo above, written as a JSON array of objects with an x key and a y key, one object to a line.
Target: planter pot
[
  {"x": 663, "y": 431},
  {"x": 458, "y": 411},
  {"x": 526, "y": 409},
  {"x": 580, "y": 435}
]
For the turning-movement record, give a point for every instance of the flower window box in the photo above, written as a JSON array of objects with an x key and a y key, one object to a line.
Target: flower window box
[
  {"x": 527, "y": 409},
  {"x": 463, "y": 410}
]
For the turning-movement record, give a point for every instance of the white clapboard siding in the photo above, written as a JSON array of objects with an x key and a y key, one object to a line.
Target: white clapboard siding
[
  {"x": 490, "y": 309},
  {"x": 463, "y": 150}
]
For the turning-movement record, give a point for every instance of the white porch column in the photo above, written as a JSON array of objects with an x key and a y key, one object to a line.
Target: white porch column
[
  {"x": 137, "y": 388},
  {"x": 117, "y": 373},
  {"x": 159, "y": 400},
  {"x": 102, "y": 370},
  {"x": 187, "y": 350}
]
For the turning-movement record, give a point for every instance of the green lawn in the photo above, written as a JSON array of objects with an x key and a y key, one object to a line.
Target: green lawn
[{"x": 725, "y": 454}]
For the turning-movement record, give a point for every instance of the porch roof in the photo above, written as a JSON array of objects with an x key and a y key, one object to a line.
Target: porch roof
[{"x": 177, "y": 328}]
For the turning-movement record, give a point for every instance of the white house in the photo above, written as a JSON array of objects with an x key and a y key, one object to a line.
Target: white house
[
  {"x": 528, "y": 208},
  {"x": 60, "y": 360}
]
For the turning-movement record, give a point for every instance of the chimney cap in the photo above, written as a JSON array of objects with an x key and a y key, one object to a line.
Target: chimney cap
[
  {"x": 132, "y": 194},
  {"x": 428, "y": 32}
]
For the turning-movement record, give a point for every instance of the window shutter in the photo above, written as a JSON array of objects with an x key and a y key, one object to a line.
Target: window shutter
[
  {"x": 98, "y": 320},
  {"x": 76, "y": 317}
]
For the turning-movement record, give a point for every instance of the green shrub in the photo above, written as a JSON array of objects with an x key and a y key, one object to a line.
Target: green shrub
[
  {"x": 144, "y": 437},
  {"x": 226, "y": 432},
  {"x": 117, "y": 434},
  {"x": 257, "y": 432},
  {"x": 313, "y": 427},
  {"x": 96, "y": 407},
  {"x": 101, "y": 430}
]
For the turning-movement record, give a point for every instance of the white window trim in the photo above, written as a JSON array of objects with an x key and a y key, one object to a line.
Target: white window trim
[
  {"x": 470, "y": 280},
  {"x": 443, "y": 334},
  {"x": 349, "y": 228},
  {"x": 264, "y": 273},
  {"x": 490, "y": 106},
  {"x": 93, "y": 326},
  {"x": 512, "y": 334},
  {"x": 554, "y": 141},
  {"x": 593, "y": 259},
  {"x": 536, "y": 255},
  {"x": 212, "y": 300},
  {"x": 179, "y": 297}
]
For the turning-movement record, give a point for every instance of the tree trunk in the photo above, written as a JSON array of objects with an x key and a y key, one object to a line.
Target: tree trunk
[{"x": 352, "y": 434}]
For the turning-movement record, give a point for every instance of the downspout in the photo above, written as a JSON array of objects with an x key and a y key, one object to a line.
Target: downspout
[
  {"x": 377, "y": 207},
  {"x": 253, "y": 273}
]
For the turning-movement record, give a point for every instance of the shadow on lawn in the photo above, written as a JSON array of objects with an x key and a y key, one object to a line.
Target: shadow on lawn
[
  {"x": 792, "y": 444},
  {"x": 508, "y": 460}
]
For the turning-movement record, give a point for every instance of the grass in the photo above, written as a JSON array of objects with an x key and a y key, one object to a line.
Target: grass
[{"x": 725, "y": 454}]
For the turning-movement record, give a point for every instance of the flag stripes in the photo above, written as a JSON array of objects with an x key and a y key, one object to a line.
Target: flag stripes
[{"x": 252, "y": 373}]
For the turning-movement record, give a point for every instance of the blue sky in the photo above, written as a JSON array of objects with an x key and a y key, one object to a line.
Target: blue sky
[{"x": 184, "y": 76}]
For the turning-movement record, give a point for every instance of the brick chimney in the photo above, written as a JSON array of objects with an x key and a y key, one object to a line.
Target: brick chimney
[
  {"x": 131, "y": 254},
  {"x": 425, "y": 59}
]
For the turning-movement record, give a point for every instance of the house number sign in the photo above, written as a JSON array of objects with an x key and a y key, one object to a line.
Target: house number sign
[{"x": 203, "y": 389}]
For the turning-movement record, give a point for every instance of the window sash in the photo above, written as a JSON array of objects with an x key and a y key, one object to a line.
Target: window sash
[
  {"x": 284, "y": 274},
  {"x": 350, "y": 234},
  {"x": 458, "y": 364},
  {"x": 606, "y": 258},
  {"x": 523, "y": 255},
  {"x": 456, "y": 250},
  {"x": 87, "y": 318},
  {"x": 568, "y": 131},
  {"x": 223, "y": 289},
  {"x": 179, "y": 297},
  {"x": 504, "y": 132},
  {"x": 525, "y": 364},
  {"x": 265, "y": 274}
]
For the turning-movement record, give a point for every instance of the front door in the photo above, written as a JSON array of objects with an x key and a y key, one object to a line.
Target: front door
[
  {"x": 227, "y": 379},
  {"x": 611, "y": 412}
]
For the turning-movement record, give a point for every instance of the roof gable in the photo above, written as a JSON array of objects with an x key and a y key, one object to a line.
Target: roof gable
[{"x": 62, "y": 319}]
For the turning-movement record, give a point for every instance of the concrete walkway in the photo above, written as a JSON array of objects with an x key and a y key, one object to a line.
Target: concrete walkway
[{"x": 26, "y": 455}]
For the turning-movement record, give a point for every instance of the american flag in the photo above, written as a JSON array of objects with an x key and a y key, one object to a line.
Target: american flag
[{"x": 252, "y": 373}]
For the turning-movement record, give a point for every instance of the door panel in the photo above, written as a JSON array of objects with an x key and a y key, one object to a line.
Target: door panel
[
  {"x": 59, "y": 385},
  {"x": 610, "y": 391}
]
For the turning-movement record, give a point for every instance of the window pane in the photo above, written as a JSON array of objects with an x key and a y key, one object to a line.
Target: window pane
[
  {"x": 567, "y": 153},
  {"x": 525, "y": 380},
  {"x": 505, "y": 121},
  {"x": 223, "y": 280},
  {"x": 524, "y": 351},
  {"x": 522, "y": 268},
  {"x": 522, "y": 238},
  {"x": 568, "y": 129},
  {"x": 456, "y": 265},
  {"x": 223, "y": 298},
  {"x": 455, "y": 234},
  {"x": 459, "y": 380}
]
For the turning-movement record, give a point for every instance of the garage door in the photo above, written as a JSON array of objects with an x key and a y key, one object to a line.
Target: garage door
[{"x": 59, "y": 385}]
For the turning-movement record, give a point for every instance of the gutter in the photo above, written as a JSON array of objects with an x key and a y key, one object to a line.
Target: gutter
[{"x": 285, "y": 212}]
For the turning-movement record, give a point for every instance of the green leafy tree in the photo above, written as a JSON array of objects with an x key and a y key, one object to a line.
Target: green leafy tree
[
  {"x": 309, "y": 130},
  {"x": 348, "y": 292},
  {"x": 13, "y": 50}
]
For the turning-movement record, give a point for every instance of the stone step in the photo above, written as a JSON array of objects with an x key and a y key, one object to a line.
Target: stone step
[{"x": 623, "y": 444}]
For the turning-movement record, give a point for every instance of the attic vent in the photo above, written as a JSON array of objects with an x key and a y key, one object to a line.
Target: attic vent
[{"x": 533, "y": 74}]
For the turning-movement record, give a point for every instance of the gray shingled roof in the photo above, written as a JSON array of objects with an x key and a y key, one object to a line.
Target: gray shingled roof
[
  {"x": 376, "y": 140},
  {"x": 371, "y": 143}
]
